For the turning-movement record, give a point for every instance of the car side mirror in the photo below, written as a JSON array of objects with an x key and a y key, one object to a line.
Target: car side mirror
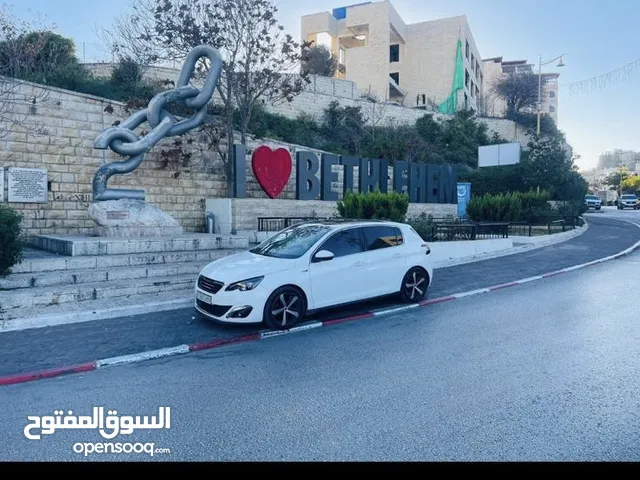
[{"x": 323, "y": 256}]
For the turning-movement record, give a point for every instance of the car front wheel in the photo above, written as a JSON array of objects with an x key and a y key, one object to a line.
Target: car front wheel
[
  {"x": 285, "y": 308},
  {"x": 414, "y": 285}
]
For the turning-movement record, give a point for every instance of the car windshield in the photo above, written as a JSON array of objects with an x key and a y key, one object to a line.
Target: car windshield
[
  {"x": 629, "y": 197},
  {"x": 293, "y": 242},
  {"x": 591, "y": 197}
]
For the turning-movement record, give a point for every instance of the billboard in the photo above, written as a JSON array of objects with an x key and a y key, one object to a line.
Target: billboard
[{"x": 498, "y": 155}]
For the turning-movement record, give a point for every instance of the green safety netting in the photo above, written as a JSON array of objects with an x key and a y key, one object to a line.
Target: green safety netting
[{"x": 450, "y": 105}]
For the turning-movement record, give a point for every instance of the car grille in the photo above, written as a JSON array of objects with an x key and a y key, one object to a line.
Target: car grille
[
  {"x": 209, "y": 285},
  {"x": 215, "y": 310}
]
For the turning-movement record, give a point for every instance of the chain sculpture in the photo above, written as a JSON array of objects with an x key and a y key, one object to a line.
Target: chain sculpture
[{"x": 124, "y": 141}]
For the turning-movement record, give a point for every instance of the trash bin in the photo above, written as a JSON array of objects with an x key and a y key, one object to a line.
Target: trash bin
[{"x": 211, "y": 225}]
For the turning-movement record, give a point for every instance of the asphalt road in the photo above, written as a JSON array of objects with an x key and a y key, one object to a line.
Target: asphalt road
[
  {"x": 42, "y": 348},
  {"x": 547, "y": 371}
]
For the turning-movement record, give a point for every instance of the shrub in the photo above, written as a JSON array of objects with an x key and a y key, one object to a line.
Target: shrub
[
  {"x": 424, "y": 225},
  {"x": 390, "y": 206},
  {"x": 10, "y": 242},
  {"x": 495, "y": 208},
  {"x": 535, "y": 206}
]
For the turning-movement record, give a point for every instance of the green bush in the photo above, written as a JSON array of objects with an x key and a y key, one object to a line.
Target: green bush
[
  {"x": 535, "y": 206},
  {"x": 495, "y": 208},
  {"x": 390, "y": 206},
  {"x": 10, "y": 242},
  {"x": 424, "y": 225}
]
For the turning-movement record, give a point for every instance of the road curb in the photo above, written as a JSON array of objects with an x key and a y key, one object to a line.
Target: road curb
[{"x": 202, "y": 346}]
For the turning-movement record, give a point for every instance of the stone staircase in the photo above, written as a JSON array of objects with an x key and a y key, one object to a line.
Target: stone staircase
[{"x": 99, "y": 274}]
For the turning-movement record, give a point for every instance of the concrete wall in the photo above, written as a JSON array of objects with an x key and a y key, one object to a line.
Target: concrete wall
[
  {"x": 323, "y": 90},
  {"x": 241, "y": 214},
  {"x": 72, "y": 122},
  {"x": 443, "y": 251}
]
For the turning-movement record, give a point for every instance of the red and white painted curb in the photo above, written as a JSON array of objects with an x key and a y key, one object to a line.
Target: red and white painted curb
[{"x": 196, "y": 347}]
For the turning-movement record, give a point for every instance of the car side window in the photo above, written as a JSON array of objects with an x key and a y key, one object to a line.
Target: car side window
[
  {"x": 344, "y": 242},
  {"x": 382, "y": 237}
]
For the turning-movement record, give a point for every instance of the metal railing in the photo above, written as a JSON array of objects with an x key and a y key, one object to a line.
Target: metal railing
[
  {"x": 448, "y": 232},
  {"x": 275, "y": 224},
  {"x": 530, "y": 229}
]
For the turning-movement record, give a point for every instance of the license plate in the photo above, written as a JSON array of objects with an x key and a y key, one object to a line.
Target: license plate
[{"x": 204, "y": 297}]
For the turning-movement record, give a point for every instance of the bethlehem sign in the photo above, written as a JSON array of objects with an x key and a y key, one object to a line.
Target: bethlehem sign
[{"x": 314, "y": 175}]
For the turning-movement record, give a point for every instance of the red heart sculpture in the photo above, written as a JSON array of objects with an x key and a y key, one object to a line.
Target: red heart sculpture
[{"x": 272, "y": 169}]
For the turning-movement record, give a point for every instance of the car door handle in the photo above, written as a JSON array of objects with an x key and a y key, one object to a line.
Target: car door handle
[
  {"x": 358, "y": 264},
  {"x": 397, "y": 255}
]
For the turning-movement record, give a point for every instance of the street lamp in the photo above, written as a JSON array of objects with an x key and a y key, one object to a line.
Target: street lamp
[{"x": 540, "y": 64}]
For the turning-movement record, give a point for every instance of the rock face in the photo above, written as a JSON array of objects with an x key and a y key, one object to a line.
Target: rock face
[{"x": 132, "y": 218}]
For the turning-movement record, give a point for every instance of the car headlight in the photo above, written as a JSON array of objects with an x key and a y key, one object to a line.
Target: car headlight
[{"x": 244, "y": 285}]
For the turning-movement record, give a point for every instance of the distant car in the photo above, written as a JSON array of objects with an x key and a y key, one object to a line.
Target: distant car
[
  {"x": 628, "y": 200},
  {"x": 592, "y": 201},
  {"x": 313, "y": 266}
]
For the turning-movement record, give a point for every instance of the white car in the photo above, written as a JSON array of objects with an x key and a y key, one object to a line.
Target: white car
[{"x": 313, "y": 266}]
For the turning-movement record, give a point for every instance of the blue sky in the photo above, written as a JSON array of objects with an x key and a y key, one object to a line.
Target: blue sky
[{"x": 598, "y": 36}]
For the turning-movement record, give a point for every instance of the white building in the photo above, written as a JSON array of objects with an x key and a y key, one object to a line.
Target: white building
[{"x": 411, "y": 63}]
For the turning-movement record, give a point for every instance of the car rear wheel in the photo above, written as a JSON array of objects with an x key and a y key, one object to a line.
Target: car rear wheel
[
  {"x": 285, "y": 308},
  {"x": 414, "y": 285}
]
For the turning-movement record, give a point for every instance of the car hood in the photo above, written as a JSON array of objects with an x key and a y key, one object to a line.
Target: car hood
[{"x": 242, "y": 266}]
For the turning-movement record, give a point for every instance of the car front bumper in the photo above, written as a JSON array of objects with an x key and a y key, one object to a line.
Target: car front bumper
[{"x": 231, "y": 307}]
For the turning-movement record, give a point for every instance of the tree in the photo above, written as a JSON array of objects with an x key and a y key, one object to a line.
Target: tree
[
  {"x": 615, "y": 179},
  {"x": 344, "y": 126},
  {"x": 20, "y": 53},
  {"x": 519, "y": 91},
  {"x": 549, "y": 165},
  {"x": 461, "y": 137},
  {"x": 318, "y": 60},
  {"x": 631, "y": 184},
  {"x": 259, "y": 58}
]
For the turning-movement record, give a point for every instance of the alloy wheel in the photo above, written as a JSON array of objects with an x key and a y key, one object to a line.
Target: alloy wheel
[
  {"x": 286, "y": 308},
  {"x": 415, "y": 286}
]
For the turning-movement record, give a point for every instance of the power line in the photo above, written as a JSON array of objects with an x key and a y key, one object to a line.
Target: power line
[{"x": 619, "y": 75}]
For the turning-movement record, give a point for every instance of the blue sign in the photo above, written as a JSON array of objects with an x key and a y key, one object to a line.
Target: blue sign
[{"x": 464, "y": 195}]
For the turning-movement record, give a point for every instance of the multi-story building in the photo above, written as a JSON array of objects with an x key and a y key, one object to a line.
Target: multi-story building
[
  {"x": 413, "y": 64},
  {"x": 496, "y": 69}
]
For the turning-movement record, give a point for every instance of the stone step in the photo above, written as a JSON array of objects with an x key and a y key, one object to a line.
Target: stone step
[
  {"x": 88, "y": 310},
  {"x": 81, "y": 246},
  {"x": 58, "y": 294},
  {"x": 60, "y": 263},
  {"x": 108, "y": 274}
]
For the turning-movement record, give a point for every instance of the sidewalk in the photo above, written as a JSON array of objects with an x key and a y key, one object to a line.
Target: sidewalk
[{"x": 44, "y": 348}]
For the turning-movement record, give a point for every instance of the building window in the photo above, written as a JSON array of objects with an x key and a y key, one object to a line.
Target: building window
[
  {"x": 466, "y": 78},
  {"x": 467, "y": 49},
  {"x": 552, "y": 94},
  {"x": 324, "y": 39},
  {"x": 473, "y": 64},
  {"x": 478, "y": 70},
  {"x": 552, "y": 109},
  {"x": 395, "y": 77},
  {"x": 477, "y": 91},
  {"x": 394, "y": 53}
]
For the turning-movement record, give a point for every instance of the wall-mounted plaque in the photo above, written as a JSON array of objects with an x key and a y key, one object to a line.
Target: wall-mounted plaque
[{"x": 27, "y": 185}]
